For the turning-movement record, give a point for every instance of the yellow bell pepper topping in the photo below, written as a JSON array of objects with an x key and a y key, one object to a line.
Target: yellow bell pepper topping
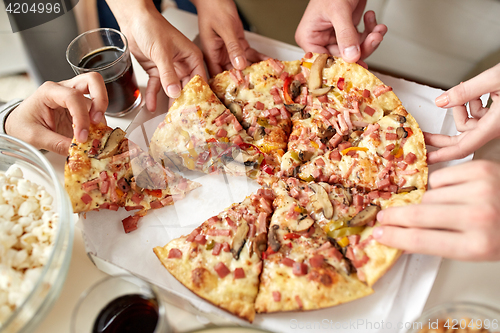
[
  {"x": 314, "y": 144},
  {"x": 343, "y": 242},
  {"x": 307, "y": 64},
  {"x": 345, "y": 151}
]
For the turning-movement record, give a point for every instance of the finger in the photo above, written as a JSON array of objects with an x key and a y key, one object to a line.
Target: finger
[
  {"x": 152, "y": 89},
  {"x": 370, "y": 44},
  {"x": 347, "y": 35},
  {"x": 54, "y": 142},
  {"x": 440, "y": 140},
  {"x": 254, "y": 56},
  {"x": 92, "y": 84},
  {"x": 432, "y": 216},
  {"x": 486, "y": 82},
  {"x": 476, "y": 108},
  {"x": 56, "y": 95},
  {"x": 425, "y": 241},
  {"x": 462, "y": 120},
  {"x": 461, "y": 173}
]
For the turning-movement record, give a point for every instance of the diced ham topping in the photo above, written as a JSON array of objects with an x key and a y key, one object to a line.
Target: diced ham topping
[
  {"x": 226, "y": 247},
  {"x": 381, "y": 89},
  {"x": 112, "y": 185},
  {"x": 276, "y": 65},
  {"x": 174, "y": 254},
  {"x": 239, "y": 273},
  {"x": 221, "y": 133},
  {"x": 237, "y": 127},
  {"x": 335, "y": 155},
  {"x": 319, "y": 161},
  {"x": 358, "y": 200},
  {"x": 262, "y": 220},
  {"x": 410, "y": 158},
  {"x": 137, "y": 198},
  {"x": 216, "y": 249},
  {"x": 343, "y": 125},
  {"x": 366, "y": 93},
  {"x": 86, "y": 199},
  {"x": 370, "y": 129},
  {"x": 264, "y": 204},
  {"x": 308, "y": 55},
  {"x": 276, "y": 296},
  {"x": 266, "y": 193},
  {"x": 402, "y": 165},
  {"x": 340, "y": 83},
  {"x": 353, "y": 239},
  {"x": 103, "y": 175},
  {"x": 156, "y": 204},
  {"x": 344, "y": 145},
  {"x": 104, "y": 187},
  {"x": 288, "y": 262},
  {"x": 323, "y": 98},
  {"x": 130, "y": 223},
  {"x": 408, "y": 172},
  {"x": 369, "y": 111},
  {"x": 274, "y": 112},
  {"x": 193, "y": 235},
  {"x": 347, "y": 118},
  {"x": 391, "y": 136},
  {"x": 316, "y": 260},
  {"x": 299, "y": 268},
  {"x": 373, "y": 195},
  {"x": 129, "y": 208},
  {"x": 299, "y": 301},
  {"x": 219, "y": 232},
  {"x": 349, "y": 171},
  {"x": 385, "y": 195},
  {"x": 222, "y": 269},
  {"x": 383, "y": 183}
]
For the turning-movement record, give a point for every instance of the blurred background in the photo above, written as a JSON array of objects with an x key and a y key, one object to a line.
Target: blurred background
[{"x": 435, "y": 42}]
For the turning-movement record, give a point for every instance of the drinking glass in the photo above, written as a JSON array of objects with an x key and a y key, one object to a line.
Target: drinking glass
[
  {"x": 121, "y": 303},
  {"x": 106, "y": 52}
]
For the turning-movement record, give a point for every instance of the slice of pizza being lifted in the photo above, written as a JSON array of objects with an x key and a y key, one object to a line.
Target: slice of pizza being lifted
[
  {"x": 221, "y": 260},
  {"x": 200, "y": 133},
  {"x": 108, "y": 171}
]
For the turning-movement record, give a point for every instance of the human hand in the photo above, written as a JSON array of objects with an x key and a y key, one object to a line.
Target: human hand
[
  {"x": 222, "y": 37},
  {"x": 163, "y": 51},
  {"x": 56, "y": 112},
  {"x": 477, "y": 130},
  {"x": 329, "y": 26},
  {"x": 459, "y": 218}
]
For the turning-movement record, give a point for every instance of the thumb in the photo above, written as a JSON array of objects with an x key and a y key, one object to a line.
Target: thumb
[
  {"x": 168, "y": 77},
  {"x": 346, "y": 33},
  {"x": 486, "y": 82},
  {"x": 234, "y": 49}
]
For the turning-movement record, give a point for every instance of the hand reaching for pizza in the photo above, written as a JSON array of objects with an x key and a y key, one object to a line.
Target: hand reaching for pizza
[
  {"x": 459, "y": 218},
  {"x": 50, "y": 117},
  {"x": 477, "y": 129},
  {"x": 329, "y": 26},
  {"x": 222, "y": 38},
  {"x": 165, "y": 53}
]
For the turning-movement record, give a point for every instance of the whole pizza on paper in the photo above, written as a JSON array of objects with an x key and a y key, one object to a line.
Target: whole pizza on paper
[{"x": 331, "y": 146}]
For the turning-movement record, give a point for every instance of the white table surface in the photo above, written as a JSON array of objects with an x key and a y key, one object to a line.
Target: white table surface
[{"x": 456, "y": 281}]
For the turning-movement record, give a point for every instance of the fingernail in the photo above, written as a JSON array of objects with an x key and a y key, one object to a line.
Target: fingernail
[
  {"x": 380, "y": 216},
  {"x": 375, "y": 43},
  {"x": 83, "y": 135},
  {"x": 377, "y": 232},
  {"x": 442, "y": 100},
  {"x": 351, "y": 52},
  {"x": 173, "y": 91},
  {"x": 97, "y": 117},
  {"x": 239, "y": 62}
]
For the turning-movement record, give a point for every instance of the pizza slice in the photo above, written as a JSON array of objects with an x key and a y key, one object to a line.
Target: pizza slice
[
  {"x": 303, "y": 269},
  {"x": 108, "y": 171},
  {"x": 257, "y": 98},
  {"x": 388, "y": 156},
  {"x": 200, "y": 133},
  {"x": 221, "y": 260}
]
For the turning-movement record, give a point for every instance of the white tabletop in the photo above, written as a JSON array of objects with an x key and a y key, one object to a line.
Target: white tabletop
[{"x": 465, "y": 281}]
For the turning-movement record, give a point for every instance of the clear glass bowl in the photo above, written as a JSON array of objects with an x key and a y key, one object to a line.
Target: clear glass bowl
[
  {"x": 458, "y": 315},
  {"x": 37, "y": 169}
]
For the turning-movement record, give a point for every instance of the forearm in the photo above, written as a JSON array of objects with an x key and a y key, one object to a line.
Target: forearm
[{"x": 127, "y": 10}]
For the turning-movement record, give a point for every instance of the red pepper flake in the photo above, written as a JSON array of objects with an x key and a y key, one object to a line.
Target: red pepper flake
[{"x": 291, "y": 235}]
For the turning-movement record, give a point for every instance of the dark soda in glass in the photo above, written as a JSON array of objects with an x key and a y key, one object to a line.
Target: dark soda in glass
[{"x": 118, "y": 75}]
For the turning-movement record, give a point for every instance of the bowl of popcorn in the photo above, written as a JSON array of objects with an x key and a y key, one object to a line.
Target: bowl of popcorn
[{"x": 36, "y": 235}]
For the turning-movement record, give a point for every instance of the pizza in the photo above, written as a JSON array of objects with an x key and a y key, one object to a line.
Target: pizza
[
  {"x": 221, "y": 260},
  {"x": 200, "y": 133},
  {"x": 331, "y": 146},
  {"x": 108, "y": 172}
]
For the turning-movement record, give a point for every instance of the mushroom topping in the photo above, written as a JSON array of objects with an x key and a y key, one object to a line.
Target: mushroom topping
[
  {"x": 273, "y": 238},
  {"x": 320, "y": 201},
  {"x": 259, "y": 133},
  {"x": 295, "y": 89},
  {"x": 329, "y": 62},
  {"x": 239, "y": 239},
  {"x": 236, "y": 110},
  {"x": 259, "y": 245},
  {"x": 304, "y": 222},
  {"x": 112, "y": 144},
  {"x": 401, "y": 132},
  {"x": 316, "y": 74},
  {"x": 407, "y": 189},
  {"x": 295, "y": 107},
  {"x": 367, "y": 215},
  {"x": 320, "y": 91}
]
